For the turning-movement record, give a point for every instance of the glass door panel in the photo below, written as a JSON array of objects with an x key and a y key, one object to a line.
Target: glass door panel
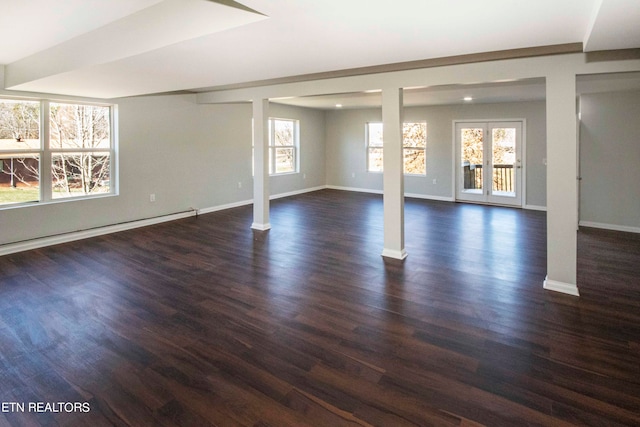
[
  {"x": 503, "y": 161},
  {"x": 505, "y": 149},
  {"x": 472, "y": 158}
]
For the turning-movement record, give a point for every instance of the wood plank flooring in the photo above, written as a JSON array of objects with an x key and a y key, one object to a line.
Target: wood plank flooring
[{"x": 203, "y": 322}]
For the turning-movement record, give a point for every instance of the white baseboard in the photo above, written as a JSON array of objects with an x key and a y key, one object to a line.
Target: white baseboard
[
  {"x": 296, "y": 192},
  {"x": 392, "y": 253},
  {"x": 565, "y": 288},
  {"x": 354, "y": 189},
  {"x": 26, "y": 245},
  {"x": 223, "y": 207},
  {"x": 410, "y": 195},
  {"x": 250, "y": 201},
  {"x": 535, "y": 208},
  {"x": 428, "y": 197},
  {"x": 613, "y": 227}
]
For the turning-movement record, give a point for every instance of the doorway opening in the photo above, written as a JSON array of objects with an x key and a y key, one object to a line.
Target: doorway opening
[{"x": 489, "y": 165}]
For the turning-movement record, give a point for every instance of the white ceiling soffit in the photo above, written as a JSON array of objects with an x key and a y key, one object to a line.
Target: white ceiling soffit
[
  {"x": 29, "y": 26},
  {"x": 162, "y": 24},
  {"x": 511, "y": 91},
  {"x": 498, "y": 92},
  {"x": 611, "y": 82},
  {"x": 615, "y": 24}
]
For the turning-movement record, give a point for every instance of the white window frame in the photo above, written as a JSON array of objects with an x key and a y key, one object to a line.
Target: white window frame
[
  {"x": 369, "y": 147},
  {"x": 9, "y": 154},
  {"x": 295, "y": 147},
  {"x": 45, "y": 153}
]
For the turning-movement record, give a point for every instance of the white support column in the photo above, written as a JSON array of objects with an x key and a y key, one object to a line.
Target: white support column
[
  {"x": 261, "y": 165},
  {"x": 393, "y": 180},
  {"x": 562, "y": 194}
]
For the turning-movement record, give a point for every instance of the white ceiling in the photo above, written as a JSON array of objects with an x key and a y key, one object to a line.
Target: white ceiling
[
  {"x": 485, "y": 93},
  {"x": 528, "y": 90},
  {"x": 30, "y": 26},
  {"x": 114, "y": 48}
]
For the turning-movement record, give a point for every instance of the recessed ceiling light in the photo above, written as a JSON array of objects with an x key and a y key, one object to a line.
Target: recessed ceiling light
[
  {"x": 338, "y": 105},
  {"x": 468, "y": 98}
]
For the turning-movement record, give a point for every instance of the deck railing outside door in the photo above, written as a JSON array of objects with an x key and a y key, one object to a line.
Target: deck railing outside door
[{"x": 503, "y": 179}]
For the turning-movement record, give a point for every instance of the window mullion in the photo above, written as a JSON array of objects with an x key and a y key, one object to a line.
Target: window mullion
[
  {"x": 46, "y": 186},
  {"x": 272, "y": 143},
  {"x": 274, "y": 157}
]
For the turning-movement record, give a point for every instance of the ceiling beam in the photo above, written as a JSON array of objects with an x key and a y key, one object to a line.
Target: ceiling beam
[
  {"x": 528, "y": 52},
  {"x": 163, "y": 24}
]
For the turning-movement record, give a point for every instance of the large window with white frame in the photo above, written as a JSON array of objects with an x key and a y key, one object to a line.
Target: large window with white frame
[
  {"x": 414, "y": 145},
  {"x": 80, "y": 148},
  {"x": 283, "y": 146},
  {"x": 54, "y": 150}
]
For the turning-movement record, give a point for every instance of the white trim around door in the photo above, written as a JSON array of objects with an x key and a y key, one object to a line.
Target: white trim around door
[{"x": 489, "y": 161}]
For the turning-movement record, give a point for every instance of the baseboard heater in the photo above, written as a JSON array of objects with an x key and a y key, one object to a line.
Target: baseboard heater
[{"x": 71, "y": 236}]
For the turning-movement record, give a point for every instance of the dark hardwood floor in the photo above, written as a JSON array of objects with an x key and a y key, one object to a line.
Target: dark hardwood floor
[{"x": 204, "y": 322}]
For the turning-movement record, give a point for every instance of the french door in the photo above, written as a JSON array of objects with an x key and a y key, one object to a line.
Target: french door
[{"x": 489, "y": 162}]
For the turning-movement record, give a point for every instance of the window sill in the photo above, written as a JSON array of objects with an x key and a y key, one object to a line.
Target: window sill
[
  {"x": 284, "y": 174},
  {"x": 415, "y": 175},
  {"x": 55, "y": 201}
]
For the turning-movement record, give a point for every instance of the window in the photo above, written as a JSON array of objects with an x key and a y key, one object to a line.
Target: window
[
  {"x": 414, "y": 146},
  {"x": 283, "y": 146},
  {"x": 79, "y": 151},
  {"x": 374, "y": 147},
  {"x": 20, "y": 151},
  {"x": 80, "y": 148},
  {"x": 414, "y": 143}
]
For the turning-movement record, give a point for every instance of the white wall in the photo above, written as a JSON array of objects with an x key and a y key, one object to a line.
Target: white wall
[
  {"x": 610, "y": 160},
  {"x": 312, "y": 150},
  {"x": 346, "y": 153},
  {"x": 191, "y": 156}
]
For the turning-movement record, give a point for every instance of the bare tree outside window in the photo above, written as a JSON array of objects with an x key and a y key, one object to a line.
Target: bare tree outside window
[
  {"x": 79, "y": 150},
  {"x": 80, "y": 144},
  {"x": 20, "y": 121},
  {"x": 282, "y": 146}
]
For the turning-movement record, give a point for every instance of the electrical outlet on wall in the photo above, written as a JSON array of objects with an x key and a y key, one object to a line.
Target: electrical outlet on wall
[
  {"x": 152, "y": 197},
  {"x": 435, "y": 181}
]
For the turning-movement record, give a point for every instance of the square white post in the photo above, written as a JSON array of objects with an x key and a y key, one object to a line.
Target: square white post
[
  {"x": 261, "y": 165},
  {"x": 562, "y": 192},
  {"x": 393, "y": 174}
]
